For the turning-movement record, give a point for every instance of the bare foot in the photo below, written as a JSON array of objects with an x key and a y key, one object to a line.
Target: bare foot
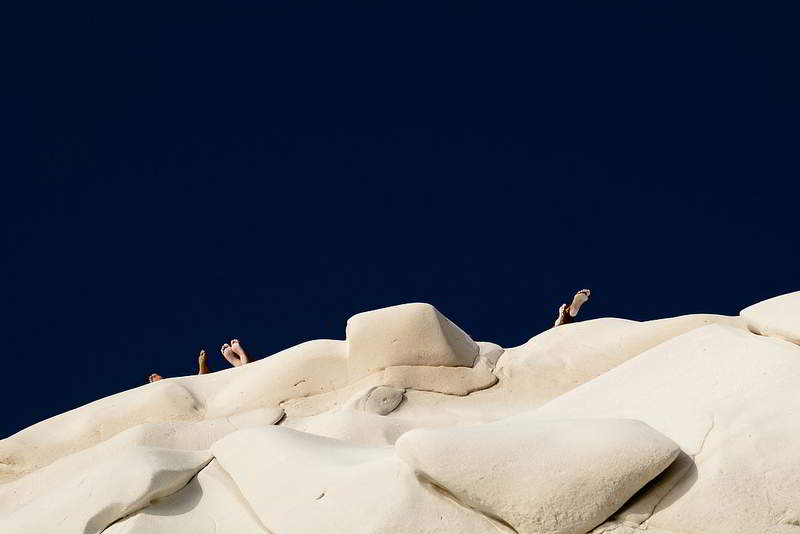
[
  {"x": 563, "y": 316},
  {"x": 202, "y": 364},
  {"x": 567, "y": 314},
  {"x": 155, "y": 377},
  {"x": 579, "y": 300},
  {"x": 239, "y": 350},
  {"x": 231, "y": 356}
]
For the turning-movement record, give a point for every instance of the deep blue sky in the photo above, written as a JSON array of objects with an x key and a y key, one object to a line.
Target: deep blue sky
[{"x": 180, "y": 175}]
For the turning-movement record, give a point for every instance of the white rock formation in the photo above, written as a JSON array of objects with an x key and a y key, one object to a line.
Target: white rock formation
[
  {"x": 563, "y": 476},
  {"x": 686, "y": 425},
  {"x": 409, "y": 334},
  {"x": 776, "y": 317}
]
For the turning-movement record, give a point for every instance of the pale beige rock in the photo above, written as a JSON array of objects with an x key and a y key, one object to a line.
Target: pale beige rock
[
  {"x": 560, "y": 359},
  {"x": 777, "y": 317},
  {"x": 729, "y": 399},
  {"x": 210, "y": 504},
  {"x": 109, "y": 490},
  {"x": 360, "y": 420},
  {"x": 382, "y": 400},
  {"x": 550, "y": 364},
  {"x": 354, "y": 427},
  {"x": 543, "y": 368},
  {"x": 725, "y": 395},
  {"x": 639, "y": 509},
  {"x": 301, "y": 483},
  {"x": 490, "y": 352},
  {"x": 408, "y": 334},
  {"x": 331, "y": 400},
  {"x": 70, "y": 432},
  {"x": 448, "y": 380},
  {"x": 257, "y": 417},
  {"x": 558, "y": 477},
  {"x": 306, "y": 369},
  {"x": 173, "y": 435}
]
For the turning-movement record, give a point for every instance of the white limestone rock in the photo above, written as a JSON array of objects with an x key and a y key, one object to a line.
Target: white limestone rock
[
  {"x": 408, "y": 334},
  {"x": 111, "y": 489},
  {"x": 729, "y": 399},
  {"x": 447, "y": 380},
  {"x": 210, "y": 504},
  {"x": 354, "y": 427},
  {"x": 179, "y": 435},
  {"x": 70, "y": 432},
  {"x": 776, "y": 317},
  {"x": 301, "y": 483},
  {"x": 409, "y": 426},
  {"x": 360, "y": 420},
  {"x": 380, "y": 400},
  {"x": 309, "y": 368},
  {"x": 551, "y": 364},
  {"x": 559, "y": 477},
  {"x": 306, "y": 369},
  {"x": 562, "y": 358},
  {"x": 490, "y": 353}
]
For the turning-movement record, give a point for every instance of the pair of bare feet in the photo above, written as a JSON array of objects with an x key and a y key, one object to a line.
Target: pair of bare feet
[
  {"x": 567, "y": 314},
  {"x": 233, "y": 352}
]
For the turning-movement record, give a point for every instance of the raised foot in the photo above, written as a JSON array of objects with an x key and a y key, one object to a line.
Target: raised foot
[
  {"x": 228, "y": 354},
  {"x": 567, "y": 314},
  {"x": 240, "y": 352},
  {"x": 579, "y": 300},
  {"x": 202, "y": 363}
]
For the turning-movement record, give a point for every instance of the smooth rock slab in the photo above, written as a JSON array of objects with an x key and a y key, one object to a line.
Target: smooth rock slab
[
  {"x": 776, "y": 317},
  {"x": 408, "y": 334},
  {"x": 298, "y": 483},
  {"x": 555, "y": 477},
  {"x": 110, "y": 490},
  {"x": 210, "y": 504},
  {"x": 181, "y": 435},
  {"x": 81, "y": 428},
  {"x": 730, "y": 399},
  {"x": 448, "y": 380}
]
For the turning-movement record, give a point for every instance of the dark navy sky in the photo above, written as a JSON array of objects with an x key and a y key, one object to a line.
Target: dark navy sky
[{"x": 179, "y": 175}]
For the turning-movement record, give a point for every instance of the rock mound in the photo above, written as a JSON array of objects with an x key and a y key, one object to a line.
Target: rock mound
[
  {"x": 409, "y": 334},
  {"x": 559, "y": 477},
  {"x": 687, "y": 425},
  {"x": 776, "y": 317}
]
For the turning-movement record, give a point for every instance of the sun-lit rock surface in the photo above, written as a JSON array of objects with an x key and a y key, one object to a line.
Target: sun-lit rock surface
[
  {"x": 684, "y": 425},
  {"x": 409, "y": 334},
  {"x": 729, "y": 399},
  {"x": 776, "y": 317},
  {"x": 210, "y": 504},
  {"x": 106, "y": 491},
  {"x": 562, "y": 476}
]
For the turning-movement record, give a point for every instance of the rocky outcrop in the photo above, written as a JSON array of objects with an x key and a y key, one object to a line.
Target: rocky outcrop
[
  {"x": 684, "y": 425},
  {"x": 559, "y": 477},
  {"x": 776, "y": 317},
  {"x": 409, "y": 334}
]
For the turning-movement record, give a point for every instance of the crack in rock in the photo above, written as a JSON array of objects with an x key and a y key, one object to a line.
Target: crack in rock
[{"x": 499, "y": 523}]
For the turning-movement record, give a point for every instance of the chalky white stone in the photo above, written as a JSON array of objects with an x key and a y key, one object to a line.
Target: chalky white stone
[
  {"x": 776, "y": 317},
  {"x": 684, "y": 425},
  {"x": 408, "y": 334}
]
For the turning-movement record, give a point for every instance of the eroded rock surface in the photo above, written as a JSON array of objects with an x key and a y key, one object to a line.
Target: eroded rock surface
[
  {"x": 560, "y": 476},
  {"x": 409, "y": 334},
  {"x": 687, "y": 425},
  {"x": 776, "y": 317},
  {"x": 108, "y": 490}
]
